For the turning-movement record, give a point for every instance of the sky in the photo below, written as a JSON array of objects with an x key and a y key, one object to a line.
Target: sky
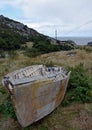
[{"x": 68, "y": 17}]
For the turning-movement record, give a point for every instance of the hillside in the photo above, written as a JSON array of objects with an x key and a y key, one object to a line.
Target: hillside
[
  {"x": 14, "y": 35},
  {"x": 6, "y": 23}
]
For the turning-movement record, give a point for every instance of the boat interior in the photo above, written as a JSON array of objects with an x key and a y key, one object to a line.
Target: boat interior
[
  {"x": 35, "y": 73},
  {"x": 38, "y": 70}
]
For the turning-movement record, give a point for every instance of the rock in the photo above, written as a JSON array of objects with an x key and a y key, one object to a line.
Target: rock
[
  {"x": 89, "y": 44},
  {"x": 71, "y": 53}
]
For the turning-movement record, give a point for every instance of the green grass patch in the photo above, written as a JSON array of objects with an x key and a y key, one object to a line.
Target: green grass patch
[{"x": 79, "y": 88}]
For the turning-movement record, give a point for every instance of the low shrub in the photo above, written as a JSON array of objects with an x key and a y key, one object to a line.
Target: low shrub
[
  {"x": 2, "y": 54},
  {"x": 7, "y": 108},
  {"x": 79, "y": 88},
  {"x": 12, "y": 54},
  {"x": 49, "y": 64}
]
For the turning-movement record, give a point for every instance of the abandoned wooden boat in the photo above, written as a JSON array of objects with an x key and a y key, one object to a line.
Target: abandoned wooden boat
[{"x": 36, "y": 91}]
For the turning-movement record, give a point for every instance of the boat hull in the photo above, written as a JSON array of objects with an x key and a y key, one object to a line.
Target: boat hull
[
  {"x": 36, "y": 91},
  {"x": 34, "y": 101}
]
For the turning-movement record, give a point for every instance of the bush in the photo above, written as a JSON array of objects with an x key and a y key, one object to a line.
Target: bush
[
  {"x": 44, "y": 46},
  {"x": 11, "y": 40},
  {"x": 79, "y": 89},
  {"x": 7, "y": 108},
  {"x": 32, "y": 52},
  {"x": 12, "y": 54},
  {"x": 2, "y": 90},
  {"x": 2, "y": 54},
  {"x": 49, "y": 64},
  {"x": 88, "y": 49}
]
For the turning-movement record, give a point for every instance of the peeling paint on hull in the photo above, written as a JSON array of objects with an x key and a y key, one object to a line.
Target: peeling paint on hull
[{"x": 34, "y": 100}]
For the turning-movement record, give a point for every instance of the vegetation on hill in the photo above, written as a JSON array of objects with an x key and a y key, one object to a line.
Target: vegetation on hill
[
  {"x": 43, "y": 45},
  {"x": 13, "y": 35},
  {"x": 10, "y": 40}
]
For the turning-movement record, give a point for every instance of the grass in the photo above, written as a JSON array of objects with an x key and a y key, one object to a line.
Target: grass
[{"x": 63, "y": 118}]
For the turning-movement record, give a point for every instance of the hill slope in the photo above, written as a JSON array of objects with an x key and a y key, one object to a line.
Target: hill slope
[
  {"x": 6, "y": 23},
  {"x": 14, "y": 34}
]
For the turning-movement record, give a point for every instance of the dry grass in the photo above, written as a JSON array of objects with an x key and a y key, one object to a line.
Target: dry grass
[
  {"x": 71, "y": 118},
  {"x": 74, "y": 117},
  {"x": 61, "y": 58},
  {"x": 58, "y": 58},
  {"x": 29, "y": 44}
]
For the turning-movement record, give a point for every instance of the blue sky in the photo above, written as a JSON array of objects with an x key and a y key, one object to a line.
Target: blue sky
[
  {"x": 68, "y": 17},
  {"x": 11, "y": 12}
]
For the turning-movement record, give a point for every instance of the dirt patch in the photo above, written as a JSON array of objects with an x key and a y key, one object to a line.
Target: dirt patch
[
  {"x": 82, "y": 119},
  {"x": 9, "y": 124}
]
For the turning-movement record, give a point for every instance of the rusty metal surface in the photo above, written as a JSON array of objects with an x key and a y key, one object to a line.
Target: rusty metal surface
[{"x": 33, "y": 101}]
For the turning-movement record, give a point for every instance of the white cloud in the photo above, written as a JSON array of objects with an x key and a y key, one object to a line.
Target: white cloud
[{"x": 48, "y": 15}]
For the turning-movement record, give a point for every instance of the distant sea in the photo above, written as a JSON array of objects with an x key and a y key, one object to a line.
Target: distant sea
[{"x": 77, "y": 40}]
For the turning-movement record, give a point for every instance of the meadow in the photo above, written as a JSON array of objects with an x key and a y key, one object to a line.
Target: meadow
[{"x": 69, "y": 115}]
